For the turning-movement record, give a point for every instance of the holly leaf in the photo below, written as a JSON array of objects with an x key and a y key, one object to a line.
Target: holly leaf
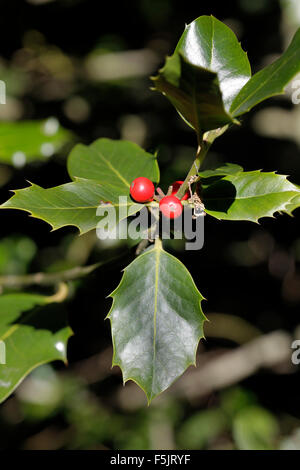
[
  {"x": 255, "y": 428},
  {"x": 156, "y": 321},
  {"x": 205, "y": 74},
  {"x": 33, "y": 333},
  {"x": 226, "y": 169},
  {"x": 25, "y": 141},
  {"x": 101, "y": 173},
  {"x": 112, "y": 163},
  {"x": 76, "y": 204},
  {"x": 270, "y": 81},
  {"x": 248, "y": 195}
]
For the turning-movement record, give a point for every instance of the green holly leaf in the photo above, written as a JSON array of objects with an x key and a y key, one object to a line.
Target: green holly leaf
[
  {"x": 112, "y": 163},
  {"x": 101, "y": 173},
  {"x": 205, "y": 74},
  {"x": 33, "y": 333},
  {"x": 71, "y": 204},
  {"x": 248, "y": 195},
  {"x": 194, "y": 92},
  {"x": 270, "y": 81},
  {"x": 25, "y": 141},
  {"x": 156, "y": 321}
]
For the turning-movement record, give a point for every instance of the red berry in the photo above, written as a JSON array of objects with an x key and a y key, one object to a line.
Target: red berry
[
  {"x": 176, "y": 185},
  {"x": 142, "y": 189},
  {"x": 171, "y": 207}
]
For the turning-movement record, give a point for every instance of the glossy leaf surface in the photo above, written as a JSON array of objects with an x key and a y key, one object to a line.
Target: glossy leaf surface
[
  {"x": 156, "y": 321},
  {"x": 71, "y": 204},
  {"x": 205, "y": 73}
]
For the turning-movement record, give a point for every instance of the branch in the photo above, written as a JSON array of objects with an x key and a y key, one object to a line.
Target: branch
[
  {"x": 203, "y": 147},
  {"x": 216, "y": 372}
]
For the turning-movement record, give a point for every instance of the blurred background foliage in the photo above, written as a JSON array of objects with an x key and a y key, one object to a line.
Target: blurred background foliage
[{"x": 74, "y": 72}]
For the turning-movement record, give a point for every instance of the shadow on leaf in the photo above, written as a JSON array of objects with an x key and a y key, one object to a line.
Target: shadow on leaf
[{"x": 219, "y": 195}]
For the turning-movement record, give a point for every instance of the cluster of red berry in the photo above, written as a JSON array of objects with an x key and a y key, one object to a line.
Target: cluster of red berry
[{"x": 142, "y": 190}]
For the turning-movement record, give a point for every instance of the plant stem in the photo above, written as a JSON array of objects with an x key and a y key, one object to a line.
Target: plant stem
[
  {"x": 142, "y": 246},
  {"x": 158, "y": 243}
]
